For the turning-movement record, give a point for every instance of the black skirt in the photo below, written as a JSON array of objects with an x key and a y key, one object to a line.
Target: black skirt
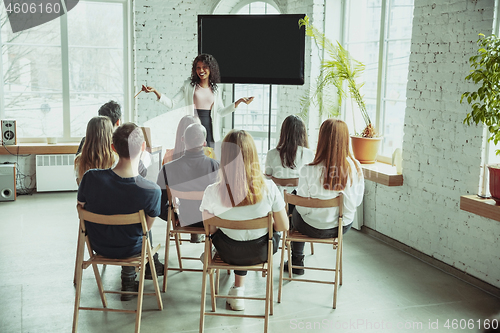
[{"x": 206, "y": 121}]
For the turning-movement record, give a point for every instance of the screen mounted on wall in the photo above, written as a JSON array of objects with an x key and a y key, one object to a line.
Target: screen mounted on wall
[{"x": 267, "y": 49}]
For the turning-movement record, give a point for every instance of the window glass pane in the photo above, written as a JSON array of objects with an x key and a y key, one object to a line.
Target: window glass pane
[
  {"x": 32, "y": 76},
  {"x": 362, "y": 37},
  {"x": 363, "y": 20},
  {"x": 400, "y": 19},
  {"x": 258, "y": 8},
  {"x": 95, "y": 32},
  {"x": 394, "y": 117}
]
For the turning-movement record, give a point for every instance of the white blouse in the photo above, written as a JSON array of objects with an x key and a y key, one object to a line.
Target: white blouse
[
  {"x": 311, "y": 185},
  {"x": 275, "y": 168},
  {"x": 272, "y": 201}
]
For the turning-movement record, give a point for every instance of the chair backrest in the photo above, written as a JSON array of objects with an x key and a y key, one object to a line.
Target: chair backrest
[
  {"x": 116, "y": 220},
  {"x": 258, "y": 223},
  {"x": 297, "y": 200},
  {"x": 188, "y": 195},
  {"x": 119, "y": 219},
  {"x": 293, "y": 182}
]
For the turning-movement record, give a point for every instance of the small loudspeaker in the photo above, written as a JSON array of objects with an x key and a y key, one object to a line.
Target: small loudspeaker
[
  {"x": 7, "y": 182},
  {"x": 9, "y": 132}
]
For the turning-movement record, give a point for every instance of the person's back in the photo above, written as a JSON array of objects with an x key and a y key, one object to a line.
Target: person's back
[
  {"x": 121, "y": 190},
  {"x": 104, "y": 192},
  {"x": 291, "y": 152},
  {"x": 192, "y": 172}
]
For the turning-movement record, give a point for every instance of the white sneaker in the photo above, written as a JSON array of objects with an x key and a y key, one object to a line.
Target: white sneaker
[{"x": 234, "y": 303}]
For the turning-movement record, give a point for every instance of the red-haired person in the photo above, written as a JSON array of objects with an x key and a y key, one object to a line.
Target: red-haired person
[{"x": 332, "y": 171}]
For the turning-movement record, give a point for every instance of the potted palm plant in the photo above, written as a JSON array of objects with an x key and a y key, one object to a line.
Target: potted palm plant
[
  {"x": 485, "y": 100},
  {"x": 337, "y": 72}
]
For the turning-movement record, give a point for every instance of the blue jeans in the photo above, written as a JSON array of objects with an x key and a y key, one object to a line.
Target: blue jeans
[{"x": 301, "y": 226}]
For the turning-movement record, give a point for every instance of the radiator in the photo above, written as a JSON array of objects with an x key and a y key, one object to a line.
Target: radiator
[{"x": 55, "y": 173}]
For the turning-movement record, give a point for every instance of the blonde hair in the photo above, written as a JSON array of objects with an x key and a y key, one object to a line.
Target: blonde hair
[
  {"x": 241, "y": 182},
  {"x": 332, "y": 152},
  {"x": 96, "y": 151}
]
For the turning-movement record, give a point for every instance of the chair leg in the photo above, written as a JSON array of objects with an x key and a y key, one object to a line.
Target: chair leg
[
  {"x": 217, "y": 277},
  {"x": 282, "y": 268},
  {"x": 178, "y": 246},
  {"x": 337, "y": 276},
  {"x": 312, "y": 248},
  {"x": 272, "y": 291},
  {"x": 203, "y": 297},
  {"x": 76, "y": 256},
  {"x": 167, "y": 255},
  {"x": 139, "y": 300},
  {"x": 341, "y": 250},
  {"x": 78, "y": 277},
  {"x": 155, "y": 277},
  {"x": 212, "y": 288},
  {"x": 268, "y": 297},
  {"x": 99, "y": 285}
]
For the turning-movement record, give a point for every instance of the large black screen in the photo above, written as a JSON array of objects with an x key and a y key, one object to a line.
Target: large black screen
[{"x": 265, "y": 49}]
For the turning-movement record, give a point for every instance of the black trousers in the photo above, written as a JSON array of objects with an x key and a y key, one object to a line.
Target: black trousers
[
  {"x": 301, "y": 226},
  {"x": 243, "y": 253}
]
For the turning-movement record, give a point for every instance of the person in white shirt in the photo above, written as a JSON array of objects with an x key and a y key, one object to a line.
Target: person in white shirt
[
  {"x": 332, "y": 171},
  {"x": 242, "y": 192},
  {"x": 291, "y": 153},
  {"x": 200, "y": 94}
]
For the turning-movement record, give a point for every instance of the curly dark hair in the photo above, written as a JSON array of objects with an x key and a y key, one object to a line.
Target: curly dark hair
[{"x": 213, "y": 66}]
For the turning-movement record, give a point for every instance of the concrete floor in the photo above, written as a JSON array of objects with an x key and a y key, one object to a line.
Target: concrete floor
[{"x": 384, "y": 290}]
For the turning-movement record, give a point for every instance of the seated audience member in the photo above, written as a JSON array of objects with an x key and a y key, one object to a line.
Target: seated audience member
[
  {"x": 113, "y": 111},
  {"x": 178, "y": 150},
  {"x": 97, "y": 152},
  {"x": 332, "y": 171},
  {"x": 193, "y": 171},
  {"x": 291, "y": 153},
  {"x": 121, "y": 190},
  {"x": 250, "y": 196}
]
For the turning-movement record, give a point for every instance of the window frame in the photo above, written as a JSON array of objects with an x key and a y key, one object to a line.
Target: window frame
[
  {"x": 128, "y": 112},
  {"x": 384, "y": 41}
]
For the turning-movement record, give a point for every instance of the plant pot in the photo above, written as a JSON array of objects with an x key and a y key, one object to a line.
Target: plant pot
[
  {"x": 495, "y": 182},
  {"x": 365, "y": 149}
]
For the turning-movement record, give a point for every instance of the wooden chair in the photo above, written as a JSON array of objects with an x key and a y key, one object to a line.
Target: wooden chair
[
  {"x": 295, "y": 236},
  {"x": 175, "y": 231},
  {"x": 140, "y": 261},
  {"x": 294, "y": 182},
  {"x": 211, "y": 265}
]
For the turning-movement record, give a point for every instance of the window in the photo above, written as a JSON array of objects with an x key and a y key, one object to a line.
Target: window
[
  {"x": 490, "y": 156},
  {"x": 256, "y": 116},
  {"x": 56, "y": 76},
  {"x": 378, "y": 33}
]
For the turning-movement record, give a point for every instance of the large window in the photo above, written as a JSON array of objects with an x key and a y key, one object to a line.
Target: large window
[
  {"x": 255, "y": 117},
  {"x": 490, "y": 156},
  {"x": 54, "y": 77},
  {"x": 378, "y": 33}
]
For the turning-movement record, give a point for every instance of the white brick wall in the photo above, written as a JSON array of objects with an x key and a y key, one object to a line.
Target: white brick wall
[
  {"x": 166, "y": 44},
  {"x": 441, "y": 156}
]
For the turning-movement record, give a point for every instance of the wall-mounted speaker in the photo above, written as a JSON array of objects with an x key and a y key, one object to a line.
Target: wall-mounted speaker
[
  {"x": 9, "y": 136},
  {"x": 7, "y": 182}
]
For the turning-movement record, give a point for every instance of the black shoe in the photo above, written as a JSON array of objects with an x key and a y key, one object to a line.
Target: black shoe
[
  {"x": 296, "y": 261},
  {"x": 197, "y": 238},
  {"x": 158, "y": 266},
  {"x": 129, "y": 285}
]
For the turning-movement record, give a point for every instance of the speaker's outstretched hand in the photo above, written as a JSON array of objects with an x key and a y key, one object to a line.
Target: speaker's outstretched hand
[{"x": 246, "y": 100}]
